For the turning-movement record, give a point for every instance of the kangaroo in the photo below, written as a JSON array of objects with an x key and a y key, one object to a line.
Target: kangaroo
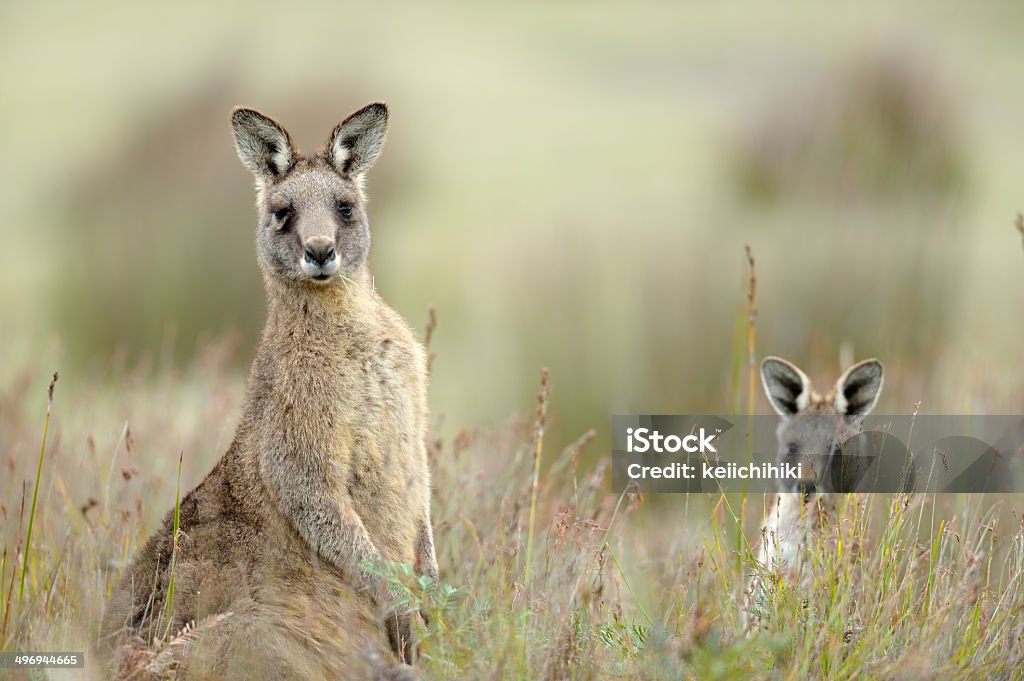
[
  {"x": 811, "y": 432},
  {"x": 328, "y": 470}
]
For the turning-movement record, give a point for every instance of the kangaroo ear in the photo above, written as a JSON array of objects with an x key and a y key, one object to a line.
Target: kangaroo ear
[
  {"x": 788, "y": 389},
  {"x": 263, "y": 145},
  {"x": 357, "y": 141},
  {"x": 858, "y": 388}
]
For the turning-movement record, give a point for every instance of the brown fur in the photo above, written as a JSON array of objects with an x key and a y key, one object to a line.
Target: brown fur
[{"x": 328, "y": 467}]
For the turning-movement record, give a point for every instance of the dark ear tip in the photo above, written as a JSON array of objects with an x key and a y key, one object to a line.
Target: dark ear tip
[
  {"x": 871, "y": 363},
  {"x": 241, "y": 113},
  {"x": 376, "y": 110}
]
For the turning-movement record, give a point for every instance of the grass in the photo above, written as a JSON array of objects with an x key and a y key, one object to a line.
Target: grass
[
  {"x": 544, "y": 573},
  {"x": 174, "y": 549},
  {"x": 35, "y": 490},
  {"x": 541, "y": 421}
]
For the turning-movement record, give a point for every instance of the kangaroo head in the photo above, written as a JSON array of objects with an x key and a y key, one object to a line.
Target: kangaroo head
[
  {"x": 814, "y": 427},
  {"x": 312, "y": 229}
]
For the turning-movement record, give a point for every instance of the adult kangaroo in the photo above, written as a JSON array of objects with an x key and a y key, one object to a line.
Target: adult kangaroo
[{"x": 327, "y": 473}]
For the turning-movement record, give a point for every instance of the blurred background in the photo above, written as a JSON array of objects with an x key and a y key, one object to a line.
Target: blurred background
[{"x": 570, "y": 185}]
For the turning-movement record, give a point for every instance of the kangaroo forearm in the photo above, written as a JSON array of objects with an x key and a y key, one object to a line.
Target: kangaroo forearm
[
  {"x": 336, "y": 533},
  {"x": 426, "y": 559},
  {"x": 329, "y": 525}
]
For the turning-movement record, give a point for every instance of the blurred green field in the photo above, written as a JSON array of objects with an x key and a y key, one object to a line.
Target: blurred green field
[{"x": 570, "y": 186}]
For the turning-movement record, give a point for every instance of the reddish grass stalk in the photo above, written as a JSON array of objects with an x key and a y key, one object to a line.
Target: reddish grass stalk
[
  {"x": 751, "y": 393},
  {"x": 428, "y": 335},
  {"x": 542, "y": 412}
]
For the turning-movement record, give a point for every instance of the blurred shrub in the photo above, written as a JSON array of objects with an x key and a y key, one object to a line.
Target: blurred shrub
[{"x": 881, "y": 128}]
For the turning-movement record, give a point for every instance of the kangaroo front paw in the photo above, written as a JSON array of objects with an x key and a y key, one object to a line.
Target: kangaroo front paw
[{"x": 398, "y": 625}]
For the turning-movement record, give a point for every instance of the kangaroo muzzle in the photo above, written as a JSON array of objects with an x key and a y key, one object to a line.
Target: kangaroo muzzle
[
  {"x": 319, "y": 258},
  {"x": 807, "y": 488}
]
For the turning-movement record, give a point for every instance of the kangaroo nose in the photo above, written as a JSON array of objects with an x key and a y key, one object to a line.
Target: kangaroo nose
[
  {"x": 807, "y": 488},
  {"x": 319, "y": 251}
]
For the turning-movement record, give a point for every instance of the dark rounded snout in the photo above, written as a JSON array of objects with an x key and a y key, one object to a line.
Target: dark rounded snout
[
  {"x": 807, "y": 488},
  {"x": 319, "y": 250},
  {"x": 319, "y": 259}
]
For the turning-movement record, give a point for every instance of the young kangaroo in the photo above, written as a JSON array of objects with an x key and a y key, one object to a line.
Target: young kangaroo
[
  {"x": 328, "y": 469},
  {"x": 811, "y": 432}
]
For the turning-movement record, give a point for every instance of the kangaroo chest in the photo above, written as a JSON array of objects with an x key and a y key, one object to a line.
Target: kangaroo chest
[
  {"x": 792, "y": 527},
  {"x": 345, "y": 397},
  {"x": 371, "y": 391}
]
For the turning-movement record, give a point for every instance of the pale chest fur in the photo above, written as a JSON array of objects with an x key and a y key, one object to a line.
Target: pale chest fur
[
  {"x": 791, "y": 528},
  {"x": 348, "y": 394}
]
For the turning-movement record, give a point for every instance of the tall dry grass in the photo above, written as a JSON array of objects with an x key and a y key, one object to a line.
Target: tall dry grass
[{"x": 545, "y": 574}]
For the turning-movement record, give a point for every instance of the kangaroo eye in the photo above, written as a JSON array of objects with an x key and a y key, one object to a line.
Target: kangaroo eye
[
  {"x": 283, "y": 218},
  {"x": 345, "y": 210},
  {"x": 791, "y": 448}
]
